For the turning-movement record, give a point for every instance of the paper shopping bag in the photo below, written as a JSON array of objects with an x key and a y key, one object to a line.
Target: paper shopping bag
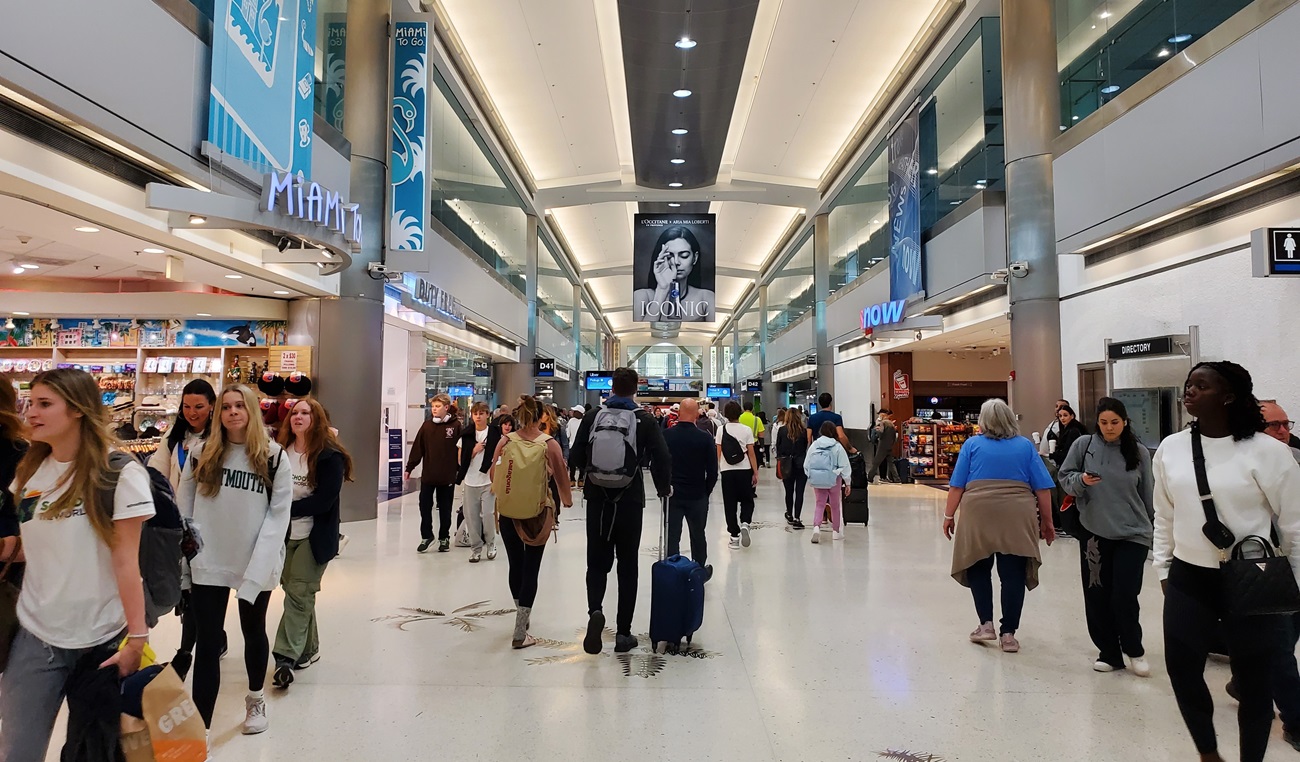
[
  {"x": 176, "y": 730},
  {"x": 135, "y": 740}
]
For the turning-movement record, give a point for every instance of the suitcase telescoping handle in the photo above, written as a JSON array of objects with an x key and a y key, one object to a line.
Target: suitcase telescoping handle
[{"x": 663, "y": 529}]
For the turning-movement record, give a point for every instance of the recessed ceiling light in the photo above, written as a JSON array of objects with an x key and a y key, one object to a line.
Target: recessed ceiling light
[
  {"x": 680, "y": 131},
  {"x": 1164, "y": 53},
  {"x": 955, "y": 203},
  {"x": 19, "y": 271},
  {"x": 1179, "y": 39},
  {"x": 22, "y": 314},
  {"x": 281, "y": 293},
  {"x": 87, "y": 229},
  {"x": 29, "y": 266},
  {"x": 153, "y": 250},
  {"x": 686, "y": 43},
  {"x": 673, "y": 204},
  {"x": 1109, "y": 89},
  {"x": 677, "y": 161},
  {"x": 1074, "y": 118},
  {"x": 198, "y": 219},
  {"x": 234, "y": 277},
  {"x": 932, "y": 171},
  {"x": 682, "y": 93},
  {"x": 674, "y": 185},
  {"x": 1104, "y": 14}
]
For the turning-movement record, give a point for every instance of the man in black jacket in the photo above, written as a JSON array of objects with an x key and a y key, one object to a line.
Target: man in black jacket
[
  {"x": 695, "y": 472},
  {"x": 614, "y": 516},
  {"x": 884, "y": 456}
]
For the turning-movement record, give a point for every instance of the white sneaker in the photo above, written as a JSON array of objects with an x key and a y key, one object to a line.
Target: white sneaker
[
  {"x": 255, "y": 715},
  {"x": 1140, "y": 666},
  {"x": 817, "y": 533},
  {"x": 475, "y": 555},
  {"x": 744, "y": 535},
  {"x": 734, "y": 543},
  {"x": 492, "y": 551},
  {"x": 837, "y": 535},
  {"x": 343, "y": 543},
  {"x": 1102, "y": 666}
]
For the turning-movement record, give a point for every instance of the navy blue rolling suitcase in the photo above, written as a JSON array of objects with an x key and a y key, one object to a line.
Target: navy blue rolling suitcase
[{"x": 676, "y": 597}]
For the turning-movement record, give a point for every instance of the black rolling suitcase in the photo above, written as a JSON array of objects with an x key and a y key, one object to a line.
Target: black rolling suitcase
[{"x": 855, "y": 505}]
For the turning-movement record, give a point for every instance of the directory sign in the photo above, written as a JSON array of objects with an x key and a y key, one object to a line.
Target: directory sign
[{"x": 673, "y": 268}]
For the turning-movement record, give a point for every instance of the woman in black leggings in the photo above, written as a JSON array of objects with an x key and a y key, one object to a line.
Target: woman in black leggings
[
  {"x": 1254, "y": 483},
  {"x": 525, "y": 540},
  {"x": 791, "y": 447},
  {"x": 238, "y": 487}
]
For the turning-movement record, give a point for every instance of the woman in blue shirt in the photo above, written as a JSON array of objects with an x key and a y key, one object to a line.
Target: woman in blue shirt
[{"x": 1004, "y": 491}]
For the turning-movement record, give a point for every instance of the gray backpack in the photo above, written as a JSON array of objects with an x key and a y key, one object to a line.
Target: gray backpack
[{"x": 612, "y": 461}]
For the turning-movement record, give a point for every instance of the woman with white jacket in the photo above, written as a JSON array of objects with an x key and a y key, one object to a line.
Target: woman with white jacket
[
  {"x": 828, "y": 470},
  {"x": 238, "y": 487}
]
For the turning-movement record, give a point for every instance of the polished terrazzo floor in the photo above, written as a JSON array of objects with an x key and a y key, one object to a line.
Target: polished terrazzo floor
[{"x": 851, "y": 650}]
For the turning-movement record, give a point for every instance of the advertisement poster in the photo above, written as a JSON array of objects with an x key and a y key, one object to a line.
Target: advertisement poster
[
  {"x": 263, "y": 82},
  {"x": 905, "y": 275},
  {"x": 117, "y": 332},
  {"x": 336, "y": 48},
  {"x": 410, "y": 110},
  {"x": 674, "y": 268}
]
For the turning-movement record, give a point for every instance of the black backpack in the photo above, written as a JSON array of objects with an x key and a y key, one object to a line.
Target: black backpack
[
  {"x": 160, "y": 540},
  {"x": 732, "y": 451}
]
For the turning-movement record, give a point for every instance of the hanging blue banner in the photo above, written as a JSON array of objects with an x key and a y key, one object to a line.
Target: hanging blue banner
[
  {"x": 410, "y": 192},
  {"x": 264, "y": 82},
  {"x": 906, "y": 276},
  {"x": 336, "y": 49}
]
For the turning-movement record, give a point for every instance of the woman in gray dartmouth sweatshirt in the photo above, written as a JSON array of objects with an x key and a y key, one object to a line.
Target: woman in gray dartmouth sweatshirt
[{"x": 1109, "y": 475}]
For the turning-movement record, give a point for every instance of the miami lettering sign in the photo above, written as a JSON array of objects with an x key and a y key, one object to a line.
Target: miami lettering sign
[
  {"x": 878, "y": 315},
  {"x": 293, "y": 196}
]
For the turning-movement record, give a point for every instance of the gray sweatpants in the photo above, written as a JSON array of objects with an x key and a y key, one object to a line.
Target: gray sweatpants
[
  {"x": 31, "y": 693},
  {"x": 480, "y": 515}
]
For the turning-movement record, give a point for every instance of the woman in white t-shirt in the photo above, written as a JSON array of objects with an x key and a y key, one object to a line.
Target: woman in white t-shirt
[
  {"x": 477, "y": 442},
  {"x": 237, "y": 487},
  {"x": 82, "y": 592},
  {"x": 320, "y": 465},
  {"x": 739, "y": 478}
]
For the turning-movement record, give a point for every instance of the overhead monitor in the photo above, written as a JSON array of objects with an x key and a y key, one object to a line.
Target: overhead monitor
[
  {"x": 460, "y": 390},
  {"x": 600, "y": 380},
  {"x": 719, "y": 391}
]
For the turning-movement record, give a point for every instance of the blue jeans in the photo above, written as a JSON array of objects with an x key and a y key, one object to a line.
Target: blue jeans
[
  {"x": 31, "y": 693},
  {"x": 1012, "y": 571},
  {"x": 696, "y": 514}
]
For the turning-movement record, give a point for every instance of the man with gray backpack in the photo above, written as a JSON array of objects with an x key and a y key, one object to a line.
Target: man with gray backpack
[{"x": 612, "y": 442}]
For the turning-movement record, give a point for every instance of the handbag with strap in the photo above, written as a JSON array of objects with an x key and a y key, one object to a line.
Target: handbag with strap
[{"x": 1250, "y": 586}]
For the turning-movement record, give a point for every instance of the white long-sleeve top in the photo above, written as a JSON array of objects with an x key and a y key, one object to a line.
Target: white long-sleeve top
[
  {"x": 243, "y": 529},
  {"x": 1254, "y": 482}
]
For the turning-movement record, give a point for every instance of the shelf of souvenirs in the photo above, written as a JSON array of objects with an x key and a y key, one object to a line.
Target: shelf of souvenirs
[{"x": 141, "y": 448}]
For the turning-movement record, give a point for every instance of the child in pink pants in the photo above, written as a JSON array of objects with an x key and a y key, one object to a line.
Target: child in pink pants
[{"x": 834, "y": 496}]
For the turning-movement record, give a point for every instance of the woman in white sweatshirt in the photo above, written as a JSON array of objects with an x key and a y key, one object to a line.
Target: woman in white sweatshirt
[
  {"x": 238, "y": 488},
  {"x": 1254, "y": 483},
  {"x": 829, "y": 473}
]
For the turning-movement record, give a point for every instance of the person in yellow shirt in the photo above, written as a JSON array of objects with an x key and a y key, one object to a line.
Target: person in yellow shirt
[{"x": 755, "y": 425}]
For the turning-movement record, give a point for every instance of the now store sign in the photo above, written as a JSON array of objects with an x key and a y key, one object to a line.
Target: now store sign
[{"x": 878, "y": 315}]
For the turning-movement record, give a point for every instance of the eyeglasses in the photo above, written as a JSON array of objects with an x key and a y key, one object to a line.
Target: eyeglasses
[{"x": 1279, "y": 425}]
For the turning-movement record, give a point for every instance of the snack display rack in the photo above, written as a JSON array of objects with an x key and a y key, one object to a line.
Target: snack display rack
[
  {"x": 919, "y": 443},
  {"x": 949, "y": 439}
]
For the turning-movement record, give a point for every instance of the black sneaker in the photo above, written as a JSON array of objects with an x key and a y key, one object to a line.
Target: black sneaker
[
  {"x": 182, "y": 662},
  {"x": 797, "y": 524},
  {"x": 444, "y": 546},
  {"x": 225, "y": 645},
  {"x": 1231, "y": 688},
  {"x": 708, "y": 572},
  {"x": 594, "y": 640},
  {"x": 624, "y": 643},
  {"x": 283, "y": 676},
  {"x": 789, "y": 518},
  {"x": 423, "y": 546}
]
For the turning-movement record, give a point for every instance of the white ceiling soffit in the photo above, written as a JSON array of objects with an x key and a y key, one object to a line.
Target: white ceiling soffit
[
  {"x": 545, "y": 66},
  {"x": 824, "y": 65}
]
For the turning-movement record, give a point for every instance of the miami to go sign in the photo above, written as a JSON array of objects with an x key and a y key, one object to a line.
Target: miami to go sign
[
  {"x": 878, "y": 315},
  {"x": 295, "y": 197}
]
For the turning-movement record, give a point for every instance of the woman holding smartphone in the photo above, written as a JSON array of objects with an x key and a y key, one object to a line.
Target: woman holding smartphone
[{"x": 1109, "y": 474}]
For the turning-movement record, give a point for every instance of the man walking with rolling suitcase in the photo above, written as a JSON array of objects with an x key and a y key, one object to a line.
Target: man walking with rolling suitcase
[
  {"x": 884, "y": 456},
  {"x": 611, "y": 442},
  {"x": 695, "y": 472}
]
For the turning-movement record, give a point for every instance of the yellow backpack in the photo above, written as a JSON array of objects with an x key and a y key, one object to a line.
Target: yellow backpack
[{"x": 519, "y": 480}]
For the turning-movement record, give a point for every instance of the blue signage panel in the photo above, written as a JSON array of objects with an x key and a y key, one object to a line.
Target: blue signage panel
[
  {"x": 905, "y": 268},
  {"x": 410, "y": 110},
  {"x": 264, "y": 82},
  {"x": 394, "y": 478},
  {"x": 719, "y": 391},
  {"x": 395, "y": 444},
  {"x": 336, "y": 49},
  {"x": 460, "y": 390},
  {"x": 600, "y": 380}
]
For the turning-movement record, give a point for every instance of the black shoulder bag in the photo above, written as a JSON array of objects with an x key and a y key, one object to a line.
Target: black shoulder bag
[{"x": 1250, "y": 586}]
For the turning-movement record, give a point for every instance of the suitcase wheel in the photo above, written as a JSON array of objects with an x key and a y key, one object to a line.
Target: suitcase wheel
[{"x": 661, "y": 647}]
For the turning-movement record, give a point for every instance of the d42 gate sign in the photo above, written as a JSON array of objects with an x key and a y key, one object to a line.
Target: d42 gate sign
[{"x": 878, "y": 315}]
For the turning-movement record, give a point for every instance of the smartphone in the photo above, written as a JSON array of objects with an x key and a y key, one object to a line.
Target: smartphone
[{"x": 1092, "y": 474}]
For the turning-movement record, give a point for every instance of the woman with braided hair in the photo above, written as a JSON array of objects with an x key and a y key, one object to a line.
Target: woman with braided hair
[{"x": 1255, "y": 483}]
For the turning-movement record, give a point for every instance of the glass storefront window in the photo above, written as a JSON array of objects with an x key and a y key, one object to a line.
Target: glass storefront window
[
  {"x": 447, "y": 367},
  {"x": 790, "y": 294},
  {"x": 666, "y": 361},
  {"x": 591, "y": 341},
  {"x": 1105, "y": 47},
  {"x": 554, "y": 291},
  {"x": 749, "y": 361},
  {"x": 470, "y": 195}
]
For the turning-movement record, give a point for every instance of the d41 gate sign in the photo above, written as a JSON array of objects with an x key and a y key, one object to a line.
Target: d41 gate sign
[{"x": 878, "y": 315}]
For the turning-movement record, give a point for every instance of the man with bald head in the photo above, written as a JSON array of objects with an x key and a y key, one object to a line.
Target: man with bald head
[
  {"x": 1280, "y": 427},
  {"x": 695, "y": 473}
]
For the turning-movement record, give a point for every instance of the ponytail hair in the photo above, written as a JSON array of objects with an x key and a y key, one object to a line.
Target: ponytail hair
[{"x": 528, "y": 412}]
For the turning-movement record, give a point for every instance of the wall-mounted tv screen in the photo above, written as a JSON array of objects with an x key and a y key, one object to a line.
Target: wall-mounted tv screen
[{"x": 719, "y": 391}]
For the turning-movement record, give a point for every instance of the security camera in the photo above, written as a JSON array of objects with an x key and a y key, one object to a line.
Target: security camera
[
  {"x": 378, "y": 268},
  {"x": 381, "y": 271},
  {"x": 918, "y": 335},
  {"x": 1019, "y": 269}
]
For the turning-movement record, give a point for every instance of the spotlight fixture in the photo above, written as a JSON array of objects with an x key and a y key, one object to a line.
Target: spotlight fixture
[
  {"x": 932, "y": 171},
  {"x": 232, "y": 276},
  {"x": 203, "y": 314},
  {"x": 1179, "y": 39},
  {"x": 1164, "y": 53},
  {"x": 1110, "y": 89},
  {"x": 198, "y": 219},
  {"x": 1104, "y": 15},
  {"x": 281, "y": 293},
  {"x": 29, "y": 266},
  {"x": 680, "y": 131},
  {"x": 674, "y": 185},
  {"x": 673, "y": 204},
  {"x": 22, "y": 314},
  {"x": 283, "y": 243},
  {"x": 153, "y": 250},
  {"x": 686, "y": 43},
  {"x": 677, "y": 161},
  {"x": 682, "y": 93},
  {"x": 1074, "y": 118},
  {"x": 19, "y": 271},
  {"x": 87, "y": 229}
]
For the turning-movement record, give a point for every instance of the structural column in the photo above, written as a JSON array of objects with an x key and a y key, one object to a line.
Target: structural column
[
  {"x": 346, "y": 331},
  {"x": 1031, "y": 115},
  {"x": 516, "y": 378},
  {"x": 821, "y": 293}
]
